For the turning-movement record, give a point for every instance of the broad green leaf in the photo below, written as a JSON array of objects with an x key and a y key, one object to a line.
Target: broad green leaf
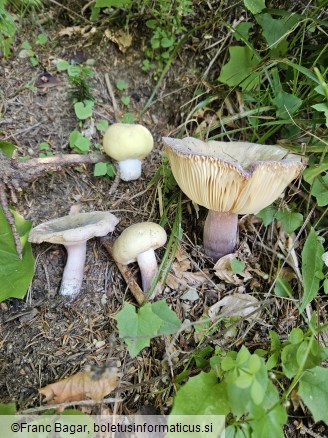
[
  {"x": 137, "y": 328},
  {"x": 311, "y": 263},
  {"x": 125, "y": 100},
  {"x": 73, "y": 70},
  {"x": 320, "y": 189},
  {"x": 201, "y": 395},
  {"x": 296, "y": 336},
  {"x": 275, "y": 30},
  {"x": 41, "y": 39},
  {"x": 15, "y": 274},
  {"x": 7, "y": 148},
  {"x": 289, "y": 219},
  {"x": 242, "y": 30},
  {"x": 102, "y": 125},
  {"x": 100, "y": 169},
  {"x": 287, "y": 104},
  {"x": 314, "y": 170},
  {"x": 62, "y": 65},
  {"x": 237, "y": 266},
  {"x": 313, "y": 388},
  {"x": 323, "y": 107},
  {"x": 83, "y": 110},
  {"x": 267, "y": 214},
  {"x": 79, "y": 142},
  {"x": 305, "y": 358},
  {"x": 121, "y": 85},
  {"x": 254, "y": 6},
  {"x": 240, "y": 70},
  {"x": 171, "y": 323},
  {"x": 289, "y": 364},
  {"x": 282, "y": 288},
  {"x": 7, "y": 408}
]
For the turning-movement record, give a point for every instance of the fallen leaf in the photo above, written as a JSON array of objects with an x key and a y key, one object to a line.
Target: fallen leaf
[
  {"x": 86, "y": 31},
  {"x": 235, "y": 305},
  {"x": 93, "y": 383},
  {"x": 121, "y": 38},
  {"x": 224, "y": 271}
]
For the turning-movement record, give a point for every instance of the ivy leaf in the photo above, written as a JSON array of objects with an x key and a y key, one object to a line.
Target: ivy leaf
[
  {"x": 267, "y": 214},
  {"x": 240, "y": 68},
  {"x": 137, "y": 328},
  {"x": 254, "y": 6},
  {"x": 313, "y": 388},
  {"x": 171, "y": 323},
  {"x": 287, "y": 104},
  {"x": 311, "y": 263},
  {"x": 289, "y": 219},
  {"x": 83, "y": 110},
  {"x": 15, "y": 274}
]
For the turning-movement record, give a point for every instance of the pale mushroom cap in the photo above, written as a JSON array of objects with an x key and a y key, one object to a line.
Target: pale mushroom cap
[
  {"x": 123, "y": 141},
  {"x": 75, "y": 228},
  {"x": 234, "y": 177},
  {"x": 137, "y": 239}
]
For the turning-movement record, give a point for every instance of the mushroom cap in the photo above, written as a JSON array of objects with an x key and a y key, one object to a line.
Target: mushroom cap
[
  {"x": 74, "y": 229},
  {"x": 123, "y": 141},
  {"x": 234, "y": 177},
  {"x": 136, "y": 239}
]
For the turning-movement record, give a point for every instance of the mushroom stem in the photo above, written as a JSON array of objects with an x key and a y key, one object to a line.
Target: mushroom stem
[
  {"x": 148, "y": 268},
  {"x": 130, "y": 169},
  {"x": 73, "y": 272},
  {"x": 220, "y": 233}
]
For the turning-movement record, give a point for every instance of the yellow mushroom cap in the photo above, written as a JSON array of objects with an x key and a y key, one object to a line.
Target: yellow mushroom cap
[
  {"x": 234, "y": 177},
  {"x": 123, "y": 141},
  {"x": 136, "y": 239}
]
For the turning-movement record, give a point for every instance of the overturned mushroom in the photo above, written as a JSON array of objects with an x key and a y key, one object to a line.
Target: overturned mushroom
[
  {"x": 229, "y": 178},
  {"x": 128, "y": 144},
  {"x": 73, "y": 232},
  {"x": 137, "y": 243}
]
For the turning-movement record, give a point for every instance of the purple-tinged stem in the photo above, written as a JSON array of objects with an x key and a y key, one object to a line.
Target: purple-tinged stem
[
  {"x": 74, "y": 269},
  {"x": 220, "y": 233}
]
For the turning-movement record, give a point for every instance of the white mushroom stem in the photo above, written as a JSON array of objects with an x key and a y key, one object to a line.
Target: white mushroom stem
[
  {"x": 130, "y": 169},
  {"x": 148, "y": 268},
  {"x": 73, "y": 272},
  {"x": 220, "y": 233}
]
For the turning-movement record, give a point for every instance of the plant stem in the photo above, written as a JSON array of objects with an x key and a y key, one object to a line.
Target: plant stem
[{"x": 220, "y": 233}]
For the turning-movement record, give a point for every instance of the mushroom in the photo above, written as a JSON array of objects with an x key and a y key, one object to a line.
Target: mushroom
[
  {"x": 137, "y": 243},
  {"x": 128, "y": 144},
  {"x": 73, "y": 232},
  {"x": 229, "y": 178}
]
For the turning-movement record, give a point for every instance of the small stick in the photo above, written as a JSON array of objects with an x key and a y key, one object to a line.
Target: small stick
[
  {"x": 30, "y": 411},
  {"x": 112, "y": 95},
  {"x": 128, "y": 277}
]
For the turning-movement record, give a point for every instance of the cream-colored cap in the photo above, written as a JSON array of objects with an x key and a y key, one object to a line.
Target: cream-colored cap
[
  {"x": 136, "y": 239},
  {"x": 235, "y": 177},
  {"x": 75, "y": 228},
  {"x": 123, "y": 141}
]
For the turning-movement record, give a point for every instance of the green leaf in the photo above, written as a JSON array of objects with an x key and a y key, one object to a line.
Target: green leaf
[
  {"x": 62, "y": 65},
  {"x": 121, "y": 85},
  {"x": 7, "y": 148},
  {"x": 242, "y": 30},
  {"x": 83, "y": 110},
  {"x": 296, "y": 336},
  {"x": 15, "y": 274},
  {"x": 325, "y": 286},
  {"x": 128, "y": 118},
  {"x": 7, "y": 408},
  {"x": 137, "y": 328},
  {"x": 254, "y": 6},
  {"x": 237, "y": 266},
  {"x": 311, "y": 263},
  {"x": 289, "y": 219},
  {"x": 320, "y": 190},
  {"x": 73, "y": 70},
  {"x": 112, "y": 3},
  {"x": 100, "y": 169},
  {"x": 267, "y": 214},
  {"x": 78, "y": 142},
  {"x": 282, "y": 288},
  {"x": 289, "y": 364},
  {"x": 240, "y": 70},
  {"x": 315, "y": 170},
  {"x": 171, "y": 323},
  {"x": 313, "y": 388},
  {"x": 323, "y": 107},
  {"x": 125, "y": 100},
  {"x": 201, "y": 395},
  {"x": 102, "y": 125},
  {"x": 26, "y": 45},
  {"x": 287, "y": 104},
  {"x": 275, "y": 30},
  {"x": 41, "y": 39}
]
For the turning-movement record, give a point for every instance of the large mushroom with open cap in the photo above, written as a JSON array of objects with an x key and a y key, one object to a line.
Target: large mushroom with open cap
[
  {"x": 229, "y": 178},
  {"x": 138, "y": 243},
  {"x": 73, "y": 231},
  {"x": 129, "y": 144}
]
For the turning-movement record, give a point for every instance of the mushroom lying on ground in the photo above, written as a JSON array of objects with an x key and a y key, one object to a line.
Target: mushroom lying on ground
[
  {"x": 128, "y": 144},
  {"x": 73, "y": 232},
  {"x": 229, "y": 178},
  {"x": 137, "y": 243}
]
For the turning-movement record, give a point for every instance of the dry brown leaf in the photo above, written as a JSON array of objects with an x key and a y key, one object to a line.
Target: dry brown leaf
[
  {"x": 223, "y": 270},
  {"x": 93, "y": 383},
  {"x": 181, "y": 278},
  {"x": 74, "y": 30},
  {"x": 121, "y": 38},
  {"x": 235, "y": 305}
]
